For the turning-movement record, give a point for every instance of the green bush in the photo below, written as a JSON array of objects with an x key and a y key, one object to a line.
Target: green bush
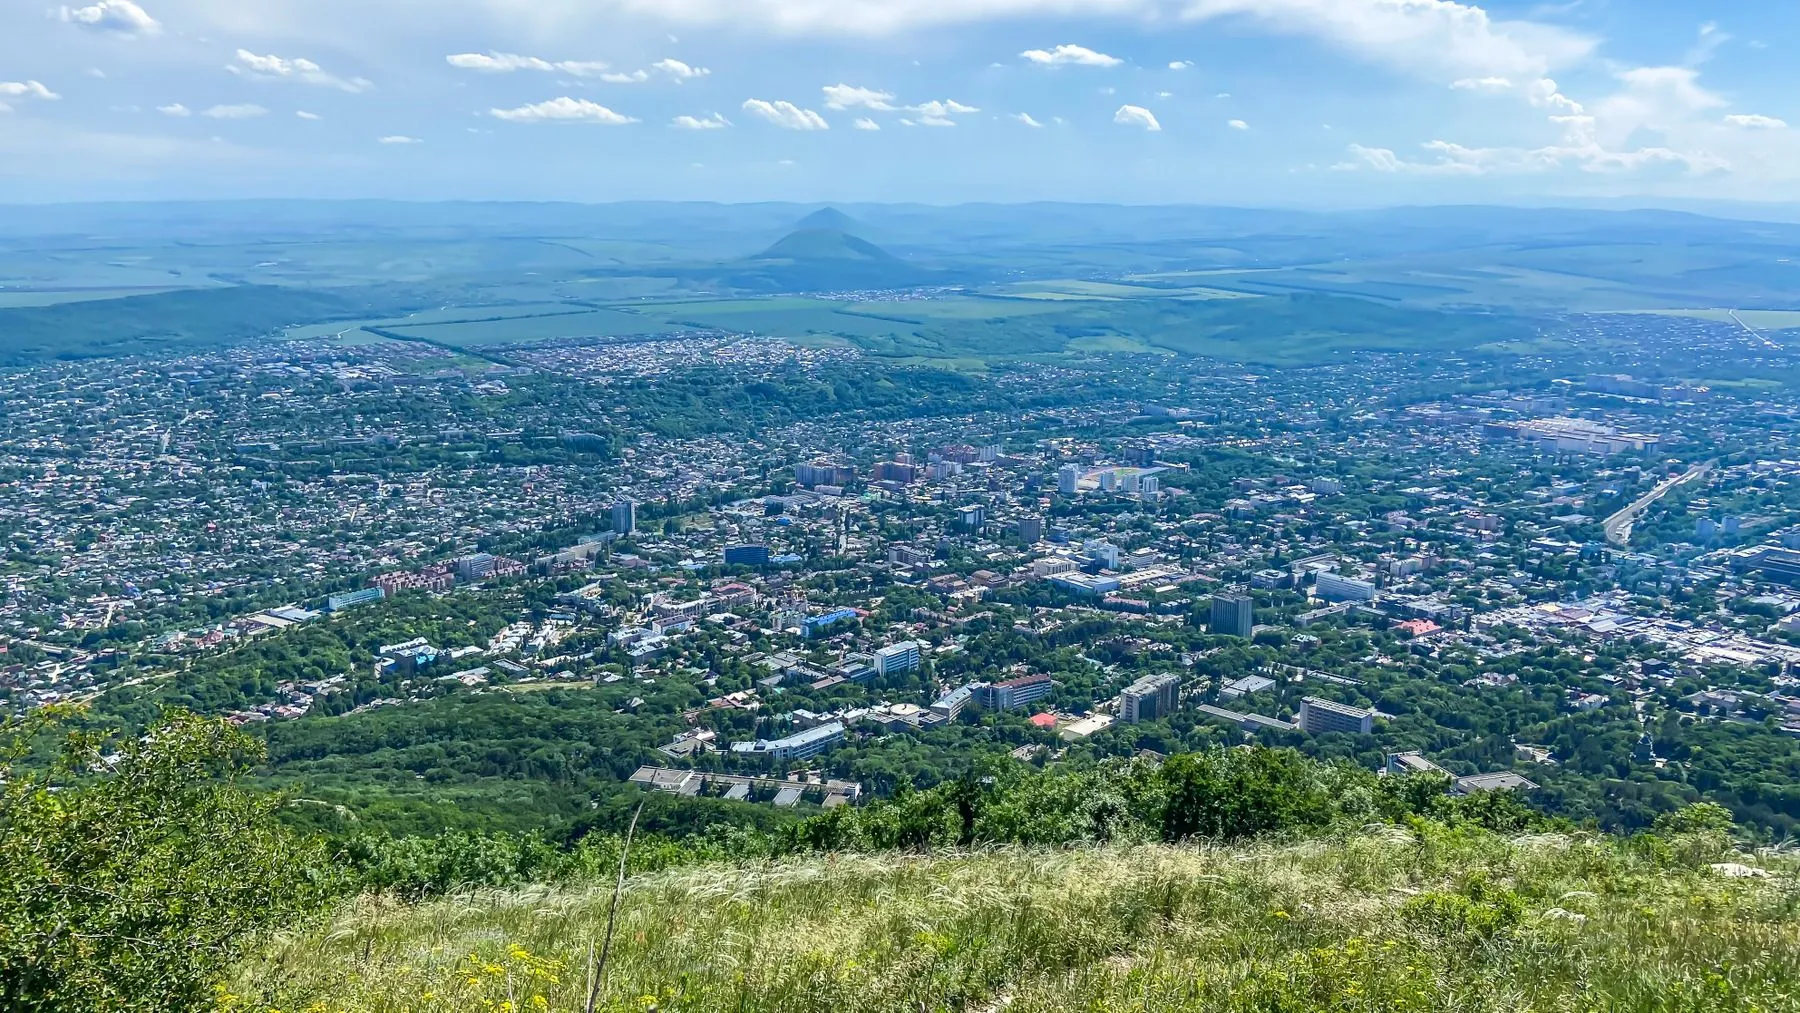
[{"x": 133, "y": 879}]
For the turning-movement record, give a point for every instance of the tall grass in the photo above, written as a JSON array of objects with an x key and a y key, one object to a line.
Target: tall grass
[{"x": 1419, "y": 919}]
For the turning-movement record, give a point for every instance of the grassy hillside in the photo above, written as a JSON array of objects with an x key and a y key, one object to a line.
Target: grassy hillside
[{"x": 1400, "y": 919}]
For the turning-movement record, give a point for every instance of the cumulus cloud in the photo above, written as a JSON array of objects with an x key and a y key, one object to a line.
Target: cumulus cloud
[
  {"x": 398, "y": 139},
  {"x": 1027, "y": 119},
  {"x": 844, "y": 96},
  {"x": 1238, "y": 125},
  {"x": 679, "y": 71},
  {"x": 497, "y": 63},
  {"x": 626, "y": 77},
  {"x": 507, "y": 63},
  {"x": 175, "y": 109},
  {"x": 244, "y": 111},
  {"x": 1755, "y": 121},
  {"x": 786, "y": 115},
  {"x": 119, "y": 17},
  {"x": 1435, "y": 38},
  {"x": 303, "y": 114},
  {"x": 26, "y": 89},
  {"x": 864, "y": 123},
  {"x": 563, "y": 110},
  {"x": 940, "y": 114},
  {"x": 713, "y": 121},
  {"x": 1069, "y": 55},
  {"x": 1136, "y": 116},
  {"x": 276, "y": 68},
  {"x": 1181, "y": 64}
]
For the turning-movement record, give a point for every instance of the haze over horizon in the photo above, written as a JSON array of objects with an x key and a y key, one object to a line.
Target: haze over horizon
[{"x": 1311, "y": 103}]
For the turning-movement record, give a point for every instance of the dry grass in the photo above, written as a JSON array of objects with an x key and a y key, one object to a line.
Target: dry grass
[{"x": 1387, "y": 920}]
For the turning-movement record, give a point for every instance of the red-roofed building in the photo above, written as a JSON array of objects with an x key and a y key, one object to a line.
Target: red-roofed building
[
  {"x": 1417, "y": 627},
  {"x": 1044, "y": 721}
]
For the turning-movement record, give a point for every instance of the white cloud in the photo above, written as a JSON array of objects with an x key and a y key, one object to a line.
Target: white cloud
[
  {"x": 786, "y": 115},
  {"x": 276, "y": 68},
  {"x": 679, "y": 71},
  {"x": 844, "y": 96},
  {"x": 398, "y": 139},
  {"x": 710, "y": 122},
  {"x": 303, "y": 114},
  {"x": 1181, "y": 64},
  {"x": 244, "y": 111},
  {"x": 1459, "y": 160},
  {"x": 621, "y": 77},
  {"x": 497, "y": 63},
  {"x": 1069, "y": 55},
  {"x": 864, "y": 123},
  {"x": 1435, "y": 38},
  {"x": 1707, "y": 43},
  {"x": 563, "y": 110},
  {"x": 1238, "y": 125},
  {"x": 1491, "y": 85},
  {"x": 27, "y": 89},
  {"x": 175, "y": 109},
  {"x": 939, "y": 114},
  {"x": 507, "y": 63},
  {"x": 1136, "y": 116},
  {"x": 1027, "y": 119},
  {"x": 1755, "y": 121},
  {"x": 120, "y": 17}
]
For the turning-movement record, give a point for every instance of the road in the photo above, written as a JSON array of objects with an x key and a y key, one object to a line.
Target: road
[
  {"x": 1753, "y": 332},
  {"x": 1618, "y": 526}
]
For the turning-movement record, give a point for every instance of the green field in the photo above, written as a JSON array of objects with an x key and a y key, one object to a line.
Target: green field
[
  {"x": 1107, "y": 290},
  {"x": 1767, "y": 320},
  {"x": 13, "y": 299},
  {"x": 472, "y": 331}
]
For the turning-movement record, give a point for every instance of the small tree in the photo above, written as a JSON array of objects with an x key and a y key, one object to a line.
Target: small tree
[{"x": 132, "y": 880}]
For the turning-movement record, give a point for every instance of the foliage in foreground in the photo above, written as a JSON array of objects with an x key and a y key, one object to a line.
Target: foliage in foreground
[
  {"x": 136, "y": 888},
  {"x": 1424, "y": 918}
]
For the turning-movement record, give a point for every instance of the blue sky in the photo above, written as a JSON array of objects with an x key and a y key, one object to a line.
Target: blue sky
[{"x": 1315, "y": 103}]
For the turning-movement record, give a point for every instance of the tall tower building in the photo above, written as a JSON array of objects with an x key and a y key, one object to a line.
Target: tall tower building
[{"x": 1233, "y": 615}]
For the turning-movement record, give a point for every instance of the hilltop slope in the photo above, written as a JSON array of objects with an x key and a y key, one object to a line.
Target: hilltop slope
[{"x": 1422, "y": 919}]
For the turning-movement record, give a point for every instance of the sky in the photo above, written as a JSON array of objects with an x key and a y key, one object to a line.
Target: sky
[{"x": 1296, "y": 103}]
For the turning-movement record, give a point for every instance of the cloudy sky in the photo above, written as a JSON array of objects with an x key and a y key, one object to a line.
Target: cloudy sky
[{"x": 1272, "y": 102}]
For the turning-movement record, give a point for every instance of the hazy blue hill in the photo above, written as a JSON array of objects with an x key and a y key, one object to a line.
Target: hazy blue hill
[
  {"x": 829, "y": 218},
  {"x": 166, "y": 322},
  {"x": 811, "y": 245}
]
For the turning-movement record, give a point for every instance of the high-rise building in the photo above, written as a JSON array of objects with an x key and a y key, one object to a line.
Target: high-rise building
[
  {"x": 1068, "y": 480},
  {"x": 973, "y": 517},
  {"x": 746, "y": 555},
  {"x": 902, "y": 657},
  {"x": 824, "y": 473},
  {"x": 1031, "y": 530},
  {"x": 1149, "y": 698},
  {"x": 1318, "y": 717},
  {"x": 1233, "y": 615},
  {"x": 475, "y": 567},
  {"x": 624, "y": 515}
]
